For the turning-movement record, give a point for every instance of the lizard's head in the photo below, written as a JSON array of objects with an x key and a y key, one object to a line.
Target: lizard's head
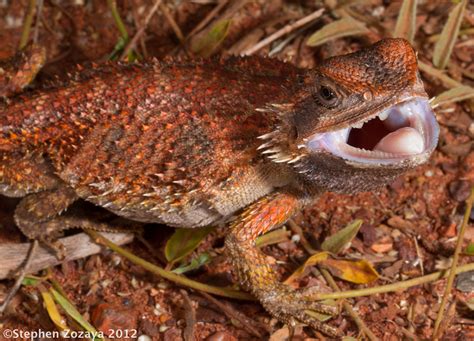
[{"x": 363, "y": 118}]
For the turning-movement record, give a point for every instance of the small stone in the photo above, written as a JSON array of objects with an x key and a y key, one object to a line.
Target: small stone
[
  {"x": 465, "y": 282},
  {"x": 459, "y": 190},
  {"x": 107, "y": 317},
  {"x": 144, "y": 338},
  {"x": 164, "y": 328}
]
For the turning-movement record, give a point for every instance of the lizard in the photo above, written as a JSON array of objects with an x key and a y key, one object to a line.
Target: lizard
[{"x": 245, "y": 141}]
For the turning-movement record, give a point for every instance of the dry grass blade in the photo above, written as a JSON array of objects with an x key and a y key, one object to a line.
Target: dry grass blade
[
  {"x": 457, "y": 94},
  {"x": 341, "y": 28},
  {"x": 406, "y": 22},
  {"x": 25, "y": 34},
  {"x": 445, "y": 79},
  {"x": 444, "y": 45}
]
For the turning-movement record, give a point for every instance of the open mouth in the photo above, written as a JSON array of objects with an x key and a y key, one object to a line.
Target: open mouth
[{"x": 406, "y": 130}]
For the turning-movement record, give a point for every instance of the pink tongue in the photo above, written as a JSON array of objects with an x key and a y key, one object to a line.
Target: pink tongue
[{"x": 402, "y": 141}]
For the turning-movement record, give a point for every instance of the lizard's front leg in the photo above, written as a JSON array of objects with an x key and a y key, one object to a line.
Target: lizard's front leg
[{"x": 285, "y": 303}]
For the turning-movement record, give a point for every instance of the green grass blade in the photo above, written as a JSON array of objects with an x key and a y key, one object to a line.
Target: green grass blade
[{"x": 73, "y": 312}]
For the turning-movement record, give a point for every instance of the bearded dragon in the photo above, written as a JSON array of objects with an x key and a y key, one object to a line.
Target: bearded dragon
[{"x": 243, "y": 141}]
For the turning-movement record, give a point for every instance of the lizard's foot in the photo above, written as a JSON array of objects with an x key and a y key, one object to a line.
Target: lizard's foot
[{"x": 291, "y": 306}]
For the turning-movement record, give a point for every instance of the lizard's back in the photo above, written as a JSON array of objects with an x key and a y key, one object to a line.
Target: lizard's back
[{"x": 173, "y": 143}]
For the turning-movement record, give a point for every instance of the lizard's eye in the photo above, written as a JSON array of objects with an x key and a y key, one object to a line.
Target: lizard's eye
[{"x": 327, "y": 96}]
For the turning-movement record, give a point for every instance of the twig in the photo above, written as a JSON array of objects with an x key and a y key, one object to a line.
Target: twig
[
  {"x": 190, "y": 317},
  {"x": 25, "y": 34},
  {"x": 20, "y": 277},
  {"x": 131, "y": 44},
  {"x": 285, "y": 30},
  {"x": 452, "y": 271},
  {"x": 171, "y": 276},
  {"x": 391, "y": 287},
  {"x": 232, "y": 314},
  {"x": 172, "y": 23}
]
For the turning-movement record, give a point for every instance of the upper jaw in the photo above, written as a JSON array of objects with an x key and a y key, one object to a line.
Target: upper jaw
[{"x": 406, "y": 131}]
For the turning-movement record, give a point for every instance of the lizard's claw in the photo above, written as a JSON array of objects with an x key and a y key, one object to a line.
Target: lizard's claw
[{"x": 291, "y": 306}]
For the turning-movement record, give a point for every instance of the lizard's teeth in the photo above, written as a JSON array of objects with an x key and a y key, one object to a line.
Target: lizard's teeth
[
  {"x": 383, "y": 116},
  {"x": 402, "y": 141},
  {"x": 358, "y": 126}
]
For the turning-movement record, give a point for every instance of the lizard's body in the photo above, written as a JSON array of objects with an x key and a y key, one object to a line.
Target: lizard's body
[
  {"x": 194, "y": 143},
  {"x": 155, "y": 145}
]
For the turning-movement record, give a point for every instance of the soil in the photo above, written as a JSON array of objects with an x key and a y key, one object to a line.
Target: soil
[{"x": 409, "y": 227}]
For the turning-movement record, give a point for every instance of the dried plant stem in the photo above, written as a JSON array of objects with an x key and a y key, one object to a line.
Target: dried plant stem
[
  {"x": 452, "y": 271},
  {"x": 134, "y": 40},
  {"x": 171, "y": 276},
  {"x": 25, "y": 34},
  {"x": 285, "y": 30},
  {"x": 392, "y": 287}
]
